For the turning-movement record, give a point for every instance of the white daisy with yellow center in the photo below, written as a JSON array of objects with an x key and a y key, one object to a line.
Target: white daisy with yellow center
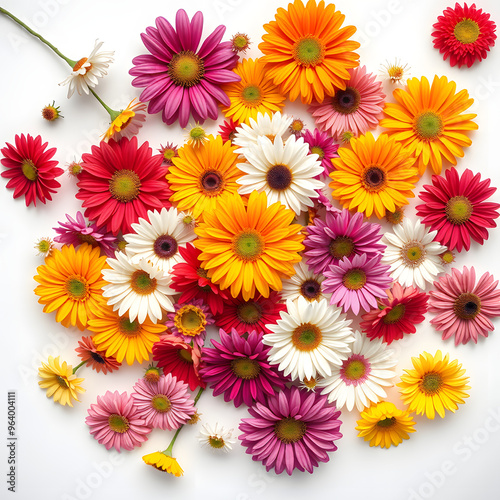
[
  {"x": 304, "y": 283},
  {"x": 216, "y": 438}
]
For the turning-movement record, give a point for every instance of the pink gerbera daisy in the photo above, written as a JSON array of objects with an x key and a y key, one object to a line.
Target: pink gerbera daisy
[
  {"x": 294, "y": 430},
  {"x": 165, "y": 404},
  {"x": 340, "y": 235},
  {"x": 357, "y": 283},
  {"x": 456, "y": 207},
  {"x": 114, "y": 421},
  {"x": 30, "y": 169},
  {"x": 238, "y": 368},
  {"x": 357, "y": 109},
  {"x": 180, "y": 77},
  {"x": 464, "y": 308},
  {"x": 323, "y": 145},
  {"x": 395, "y": 315},
  {"x": 75, "y": 232},
  {"x": 120, "y": 183}
]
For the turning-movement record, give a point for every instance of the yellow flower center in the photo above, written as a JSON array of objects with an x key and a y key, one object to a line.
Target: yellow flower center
[
  {"x": 354, "y": 279},
  {"x": 318, "y": 151},
  {"x": 186, "y": 69},
  {"x": 308, "y": 51},
  {"x": 141, "y": 283},
  {"x": 245, "y": 368},
  {"x": 341, "y": 246},
  {"x": 249, "y": 312},
  {"x": 185, "y": 356},
  {"x": 248, "y": 245},
  {"x": 124, "y": 185},
  {"x": 62, "y": 381},
  {"x": 306, "y": 337},
  {"x": 288, "y": 430},
  {"x": 310, "y": 383},
  {"x": 395, "y": 314},
  {"x": 127, "y": 327},
  {"x": 466, "y": 31},
  {"x": 216, "y": 442},
  {"x": 354, "y": 370},
  {"x": 428, "y": 125},
  {"x": 374, "y": 178},
  {"x": 413, "y": 253},
  {"x": 29, "y": 170},
  {"x": 467, "y": 306},
  {"x": 346, "y": 101},
  {"x": 161, "y": 403},
  {"x": 118, "y": 423},
  {"x": 251, "y": 96},
  {"x": 431, "y": 383},
  {"x": 77, "y": 287},
  {"x": 190, "y": 320},
  {"x": 458, "y": 210}
]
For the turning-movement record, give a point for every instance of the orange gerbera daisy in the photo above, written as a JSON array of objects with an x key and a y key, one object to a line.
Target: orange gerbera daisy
[
  {"x": 375, "y": 177},
  {"x": 428, "y": 121},
  {"x": 201, "y": 174},
  {"x": 307, "y": 52},
  {"x": 249, "y": 249},
  {"x": 70, "y": 283}
]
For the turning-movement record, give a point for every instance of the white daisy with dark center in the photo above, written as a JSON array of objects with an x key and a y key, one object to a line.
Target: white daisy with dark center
[{"x": 304, "y": 283}]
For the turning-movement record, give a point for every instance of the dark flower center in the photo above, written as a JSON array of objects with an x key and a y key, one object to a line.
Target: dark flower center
[
  {"x": 387, "y": 422},
  {"x": 288, "y": 430},
  {"x": 279, "y": 177},
  {"x": 245, "y": 368},
  {"x": 346, "y": 101},
  {"x": 374, "y": 178},
  {"x": 118, "y": 423},
  {"x": 341, "y": 246},
  {"x": 467, "y": 306},
  {"x": 311, "y": 289},
  {"x": 97, "y": 358},
  {"x": 128, "y": 327},
  {"x": 165, "y": 246},
  {"x": 212, "y": 182},
  {"x": 249, "y": 312},
  {"x": 395, "y": 314}
]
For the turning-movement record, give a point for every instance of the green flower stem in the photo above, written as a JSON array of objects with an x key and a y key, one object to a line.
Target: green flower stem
[
  {"x": 168, "y": 451},
  {"x": 78, "y": 366},
  {"x": 34, "y": 33},
  {"x": 112, "y": 113}
]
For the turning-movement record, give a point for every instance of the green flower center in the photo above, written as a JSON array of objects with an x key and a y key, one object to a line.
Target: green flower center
[
  {"x": 354, "y": 370},
  {"x": 191, "y": 320},
  {"x": 279, "y": 177},
  {"x": 43, "y": 246},
  {"x": 341, "y": 246},
  {"x": 458, "y": 209},
  {"x": 431, "y": 383},
  {"x": 62, "y": 382},
  {"x": 354, "y": 279},
  {"x": 124, "y": 185},
  {"x": 128, "y": 327},
  {"x": 395, "y": 314},
  {"x": 197, "y": 134},
  {"x": 185, "y": 356},
  {"x": 306, "y": 337},
  {"x": 245, "y": 368},
  {"x": 240, "y": 41},
  {"x": 346, "y": 101},
  {"x": 467, "y": 306},
  {"x": 413, "y": 254},
  {"x": 141, "y": 283},
  {"x": 29, "y": 170},
  {"x": 318, "y": 151},
  {"x": 248, "y": 245},
  {"x": 118, "y": 423},
  {"x": 387, "y": 422},
  {"x": 168, "y": 154},
  {"x": 186, "y": 69},
  {"x": 76, "y": 287},
  {"x": 288, "y": 430},
  {"x": 428, "y": 125},
  {"x": 467, "y": 31},
  {"x": 308, "y": 51},
  {"x": 251, "y": 96},
  {"x": 216, "y": 442},
  {"x": 249, "y": 313},
  {"x": 161, "y": 403}
]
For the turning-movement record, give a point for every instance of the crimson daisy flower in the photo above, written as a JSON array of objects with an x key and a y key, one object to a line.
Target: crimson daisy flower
[
  {"x": 180, "y": 359},
  {"x": 464, "y": 34},
  {"x": 247, "y": 315},
  {"x": 94, "y": 358},
  {"x": 456, "y": 207},
  {"x": 31, "y": 171},
  {"x": 120, "y": 183},
  {"x": 189, "y": 279},
  {"x": 180, "y": 77},
  {"x": 395, "y": 315},
  {"x": 228, "y": 130}
]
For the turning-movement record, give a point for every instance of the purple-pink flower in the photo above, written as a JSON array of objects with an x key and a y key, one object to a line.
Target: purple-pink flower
[{"x": 324, "y": 146}]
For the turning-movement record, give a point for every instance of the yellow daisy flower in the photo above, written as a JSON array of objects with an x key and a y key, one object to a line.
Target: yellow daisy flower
[
  {"x": 434, "y": 385},
  {"x": 159, "y": 460},
  {"x": 70, "y": 282},
  {"x": 127, "y": 122},
  {"x": 384, "y": 425}
]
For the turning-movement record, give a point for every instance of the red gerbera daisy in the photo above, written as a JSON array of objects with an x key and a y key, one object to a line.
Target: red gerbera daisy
[
  {"x": 397, "y": 314},
  {"x": 464, "y": 34},
  {"x": 247, "y": 315},
  {"x": 191, "y": 281},
  {"x": 228, "y": 130},
  {"x": 31, "y": 171},
  {"x": 179, "y": 359},
  {"x": 121, "y": 182},
  {"x": 97, "y": 360},
  {"x": 456, "y": 207}
]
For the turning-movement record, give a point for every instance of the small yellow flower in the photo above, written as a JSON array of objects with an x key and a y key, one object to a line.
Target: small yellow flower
[
  {"x": 128, "y": 122},
  {"x": 159, "y": 460}
]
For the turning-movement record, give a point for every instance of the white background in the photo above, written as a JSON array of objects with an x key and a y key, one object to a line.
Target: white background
[{"x": 455, "y": 457}]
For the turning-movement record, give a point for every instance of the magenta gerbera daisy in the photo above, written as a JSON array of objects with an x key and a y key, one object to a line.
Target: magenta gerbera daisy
[
  {"x": 357, "y": 283},
  {"x": 120, "y": 183},
  {"x": 356, "y": 109},
  {"x": 294, "y": 430},
  {"x": 247, "y": 315},
  {"x": 238, "y": 368},
  {"x": 464, "y": 34},
  {"x": 75, "y": 232},
  {"x": 456, "y": 207},
  {"x": 165, "y": 404},
  {"x": 323, "y": 145},
  {"x": 181, "y": 78},
  {"x": 114, "y": 421},
  {"x": 395, "y": 315},
  {"x": 30, "y": 169},
  {"x": 340, "y": 235},
  {"x": 464, "y": 308}
]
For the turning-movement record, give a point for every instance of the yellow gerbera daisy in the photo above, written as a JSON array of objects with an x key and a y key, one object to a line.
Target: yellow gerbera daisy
[
  {"x": 159, "y": 460},
  {"x": 383, "y": 424},
  {"x": 307, "y": 52},
  {"x": 71, "y": 282},
  {"x": 375, "y": 177},
  {"x": 255, "y": 93},
  {"x": 202, "y": 174},
  {"x": 60, "y": 382},
  {"x": 427, "y": 120},
  {"x": 127, "y": 122},
  {"x": 434, "y": 385},
  {"x": 122, "y": 338},
  {"x": 249, "y": 248}
]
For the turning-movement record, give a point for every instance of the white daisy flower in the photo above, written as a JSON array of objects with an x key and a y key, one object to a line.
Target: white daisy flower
[
  {"x": 285, "y": 171},
  {"x": 304, "y": 283},
  {"x": 139, "y": 289},
  {"x": 158, "y": 240},
  {"x": 217, "y": 438},
  {"x": 362, "y": 376},
  {"x": 87, "y": 70},
  {"x": 309, "y": 340},
  {"x": 413, "y": 254}
]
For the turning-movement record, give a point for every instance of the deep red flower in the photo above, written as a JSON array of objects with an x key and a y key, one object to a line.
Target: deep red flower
[
  {"x": 31, "y": 171},
  {"x": 228, "y": 130},
  {"x": 464, "y": 34},
  {"x": 121, "y": 182}
]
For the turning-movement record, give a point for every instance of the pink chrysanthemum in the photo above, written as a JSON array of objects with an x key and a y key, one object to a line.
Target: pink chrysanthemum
[
  {"x": 228, "y": 130},
  {"x": 238, "y": 368},
  {"x": 456, "y": 207},
  {"x": 120, "y": 183},
  {"x": 30, "y": 170},
  {"x": 323, "y": 145},
  {"x": 357, "y": 283},
  {"x": 340, "y": 236},
  {"x": 357, "y": 109},
  {"x": 180, "y": 77},
  {"x": 464, "y": 308},
  {"x": 396, "y": 315},
  {"x": 248, "y": 315},
  {"x": 165, "y": 404},
  {"x": 294, "y": 430},
  {"x": 464, "y": 34},
  {"x": 114, "y": 421},
  {"x": 96, "y": 359},
  {"x": 75, "y": 232}
]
